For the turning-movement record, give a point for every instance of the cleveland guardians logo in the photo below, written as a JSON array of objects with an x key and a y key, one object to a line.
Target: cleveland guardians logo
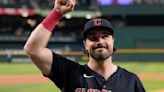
[{"x": 97, "y": 22}]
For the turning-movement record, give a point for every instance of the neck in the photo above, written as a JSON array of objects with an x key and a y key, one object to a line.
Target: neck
[{"x": 105, "y": 68}]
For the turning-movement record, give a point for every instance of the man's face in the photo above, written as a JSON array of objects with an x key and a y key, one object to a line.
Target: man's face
[{"x": 99, "y": 44}]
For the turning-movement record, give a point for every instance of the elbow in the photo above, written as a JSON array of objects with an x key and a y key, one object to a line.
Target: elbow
[{"x": 29, "y": 50}]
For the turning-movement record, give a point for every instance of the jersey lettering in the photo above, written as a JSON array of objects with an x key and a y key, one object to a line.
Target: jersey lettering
[
  {"x": 91, "y": 90},
  {"x": 80, "y": 90}
]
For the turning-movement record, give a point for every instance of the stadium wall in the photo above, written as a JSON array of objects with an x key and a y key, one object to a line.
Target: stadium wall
[{"x": 132, "y": 43}]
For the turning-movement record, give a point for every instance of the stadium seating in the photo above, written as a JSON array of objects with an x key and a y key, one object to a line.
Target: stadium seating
[{"x": 131, "y": 17}]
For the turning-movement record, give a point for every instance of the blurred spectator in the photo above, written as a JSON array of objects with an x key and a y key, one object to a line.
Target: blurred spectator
[
  {"x": 67, "y": 48},
  {"x": 9, "y": 56},
  {"x": 94, "y": 5},
  {"x": 19, "y": 31},
  {"x": 44, "y": 3},
  {"x": 15, "y": 3},
  {"x": 82, "y": 2}
]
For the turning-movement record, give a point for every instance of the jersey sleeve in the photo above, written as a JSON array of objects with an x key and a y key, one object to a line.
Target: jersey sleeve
[
  {"x": 130, "y": 81},
  {"x": 138, "y": 85},
  {"x": 61, "y": 70}
]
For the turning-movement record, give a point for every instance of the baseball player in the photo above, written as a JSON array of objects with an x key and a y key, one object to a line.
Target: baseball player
[{"x": 98, "y": 75}]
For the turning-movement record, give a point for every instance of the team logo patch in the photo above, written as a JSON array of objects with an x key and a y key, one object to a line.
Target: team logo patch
[{"x": 97, "y": 22}]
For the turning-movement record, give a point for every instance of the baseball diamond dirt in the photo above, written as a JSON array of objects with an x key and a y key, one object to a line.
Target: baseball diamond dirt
[{"x": 38, "y": 78}]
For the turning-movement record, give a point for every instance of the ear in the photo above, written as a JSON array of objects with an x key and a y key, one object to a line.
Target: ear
[
  {"x": 85, "y": 51},
  {"x": 84, "y": 42}
]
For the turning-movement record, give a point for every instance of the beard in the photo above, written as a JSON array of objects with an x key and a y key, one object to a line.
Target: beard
[{"x": 100, "y": 55}]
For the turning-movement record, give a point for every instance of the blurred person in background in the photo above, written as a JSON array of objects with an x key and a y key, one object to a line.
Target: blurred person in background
[
  {"x": 9, "y": 56},
  {"x": 98, "y": 75}
]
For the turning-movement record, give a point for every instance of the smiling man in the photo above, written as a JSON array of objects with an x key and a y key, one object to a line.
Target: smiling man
[{"x": 98, "y": 75}]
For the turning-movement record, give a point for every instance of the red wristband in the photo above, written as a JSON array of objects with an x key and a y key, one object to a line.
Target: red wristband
[{"x": 50, "y": 21}]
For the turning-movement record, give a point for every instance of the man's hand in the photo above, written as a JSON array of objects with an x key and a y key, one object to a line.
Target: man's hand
[{"x": 65, "y": 6}]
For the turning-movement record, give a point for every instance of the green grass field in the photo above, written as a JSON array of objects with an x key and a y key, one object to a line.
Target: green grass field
[{"x": 24, "y": 69}]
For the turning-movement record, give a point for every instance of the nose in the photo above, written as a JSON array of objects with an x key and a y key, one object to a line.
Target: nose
[{"x": 100, "y": 40}]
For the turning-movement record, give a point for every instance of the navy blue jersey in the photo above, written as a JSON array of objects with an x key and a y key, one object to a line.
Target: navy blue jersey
[{"x": 70, "y": 76}]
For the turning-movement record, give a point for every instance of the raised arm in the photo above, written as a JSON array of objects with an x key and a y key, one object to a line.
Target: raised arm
[{"x": 35, "y": 46}]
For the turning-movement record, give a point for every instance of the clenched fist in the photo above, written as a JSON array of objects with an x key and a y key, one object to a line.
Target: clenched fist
[{"x": 65, "y": 6}]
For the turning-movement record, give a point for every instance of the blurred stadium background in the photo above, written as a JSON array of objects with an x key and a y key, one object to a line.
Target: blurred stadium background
[{"x": 139, "y": 34}]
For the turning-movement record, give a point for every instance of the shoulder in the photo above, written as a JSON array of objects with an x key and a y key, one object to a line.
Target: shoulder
[
  {"x": 130, "y": 80},
  {"x": 127, "y": 74},
  {"x": 57, "y": 57}
]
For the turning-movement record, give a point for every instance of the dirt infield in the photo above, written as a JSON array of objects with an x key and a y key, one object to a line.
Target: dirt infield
[
  {"x": 151, "y": 76},
  {"x": 161, "y": 90},
  {"x": 38, "y": 78},
  {"x": 22, "y": 79}
]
